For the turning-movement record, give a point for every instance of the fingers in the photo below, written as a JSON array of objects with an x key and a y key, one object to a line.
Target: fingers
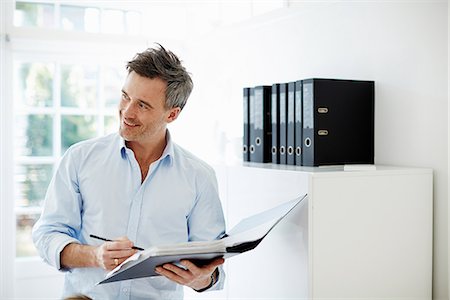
[
  {"x": 110, "y": 260},
  {"x": 119, "y": 245},
  {"x": 174, "y": 273},
  {"x": 194, "y": 276},
  {"x": 111, "y": 254},
  {"x": 208, "y": 268}
]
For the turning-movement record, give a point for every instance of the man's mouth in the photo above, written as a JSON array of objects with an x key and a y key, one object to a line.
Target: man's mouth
[{"x": 129, "y": 124}]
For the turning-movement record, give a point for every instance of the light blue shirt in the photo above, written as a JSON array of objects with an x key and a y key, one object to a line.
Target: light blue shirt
[{"x": 97, "y": 190}]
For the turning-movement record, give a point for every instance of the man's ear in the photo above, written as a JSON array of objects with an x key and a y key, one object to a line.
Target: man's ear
[{"x": 173, "y": 114}]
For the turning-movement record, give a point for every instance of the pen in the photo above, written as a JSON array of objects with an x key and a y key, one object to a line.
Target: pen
[{"x": 108, "y": 240}]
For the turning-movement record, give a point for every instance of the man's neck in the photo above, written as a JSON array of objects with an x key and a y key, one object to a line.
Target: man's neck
[{"x": 147, "y": 153}]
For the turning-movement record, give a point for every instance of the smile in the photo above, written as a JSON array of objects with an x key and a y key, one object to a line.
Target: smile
[{"x": 129, "y": 124}]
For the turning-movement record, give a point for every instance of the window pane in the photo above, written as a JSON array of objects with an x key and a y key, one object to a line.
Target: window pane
[
  {"x": 33, "y": 84},
  {"x": 24, "y": 243},
  {"x": 34, "y": 135},
  {"x": 92, "y": 20},
  {"x": 80, "y": 18},
  {"x": 78, "y": 86},
  {"x": 32, "y": 181},
  {"x": 133, "y": 22},
  {"x": 75, "y": 129},
  {"x": 113, "y": 82},
  {"x": 111, "y": 124},
  {"x": 113, "y": 21},
  {"x": 34, "y": 14},
  {"x": 72, "y": 18}
]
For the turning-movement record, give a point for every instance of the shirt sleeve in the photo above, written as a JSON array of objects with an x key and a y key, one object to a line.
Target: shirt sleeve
[
  {"x": 206, "y": 221},
  {"x": 60, "y": 220}
]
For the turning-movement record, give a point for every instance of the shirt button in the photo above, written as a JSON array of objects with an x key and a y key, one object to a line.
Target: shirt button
[{"x": 125, "y": 290}]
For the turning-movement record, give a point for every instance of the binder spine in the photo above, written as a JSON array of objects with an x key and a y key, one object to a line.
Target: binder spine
[
  {"x": 275, "y": 116},
  {"x": 308, "y": 123},
  {"x": 267, "y": 130},
  {"x": 291, "y": 124},
  {"x": 298, "y": 123},
  {"x": 251, "y": 121},
  {"x": 283, "y": 123},
  {"x": 262, "y": 125},
  {"x": 246, "y": 135}
]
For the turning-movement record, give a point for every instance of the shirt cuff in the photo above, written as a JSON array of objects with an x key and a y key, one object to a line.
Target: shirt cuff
[
  {"x": 219, "y": 284},
  {"x": 56, "y": 246}
]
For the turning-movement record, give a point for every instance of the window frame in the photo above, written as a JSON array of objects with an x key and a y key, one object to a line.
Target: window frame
[
  {"x": 42, "y": 44},
  {"x": 7, "y": 217},
  {"x": 58, "y": 112}
]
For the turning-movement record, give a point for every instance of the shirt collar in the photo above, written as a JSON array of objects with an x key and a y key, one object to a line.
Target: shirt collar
[{"x": 168, "y": 150}]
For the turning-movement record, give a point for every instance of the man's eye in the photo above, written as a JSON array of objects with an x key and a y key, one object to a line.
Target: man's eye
[{"x": 142, "y": 105}]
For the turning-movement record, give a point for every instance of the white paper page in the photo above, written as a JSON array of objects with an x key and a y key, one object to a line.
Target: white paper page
[
  {"x": 257, "y": 226},
  {"x": 189, "y": 247}
]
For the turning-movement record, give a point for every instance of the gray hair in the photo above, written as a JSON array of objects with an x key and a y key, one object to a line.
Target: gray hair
[{"x": 163, "y": 64}]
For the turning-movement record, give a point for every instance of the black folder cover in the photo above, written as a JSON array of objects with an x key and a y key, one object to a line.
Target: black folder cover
[
  {"x": 245, "y": 141},
  {"x": 283, "y": 123},
  {"x": 275, "y": 116},
  {"x": 245, "y": 236},
  {"x": 291, "y": 124},
  {"x": 298, "y": 123},
  {"x": 338, "y": 122},
  {"x": 251, "y": 123},
  {"x": 261, "y": 125}
]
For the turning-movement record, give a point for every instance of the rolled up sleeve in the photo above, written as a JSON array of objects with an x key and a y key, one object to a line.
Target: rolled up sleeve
[{"x": 60, "y": 221}]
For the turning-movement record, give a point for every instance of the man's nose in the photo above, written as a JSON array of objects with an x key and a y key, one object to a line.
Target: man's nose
[{"x": 129, "y": 109}]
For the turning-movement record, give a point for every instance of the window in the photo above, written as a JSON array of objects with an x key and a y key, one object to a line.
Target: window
[
  {"x": 49, "y": 120},
  {"x": 77, "y": 18},
  {"x": 61, "y": 95}
]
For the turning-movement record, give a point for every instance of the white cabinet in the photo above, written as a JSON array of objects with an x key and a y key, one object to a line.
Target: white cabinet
[{"x": 361, "y": 234}]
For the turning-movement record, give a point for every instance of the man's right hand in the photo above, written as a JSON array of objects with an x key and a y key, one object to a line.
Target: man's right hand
[
  {"x": 111, "y": 254},
  {"x": 107, "y": 256}
]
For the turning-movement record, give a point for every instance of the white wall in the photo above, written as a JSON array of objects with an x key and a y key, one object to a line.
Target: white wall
[{"x": 403, "y": 46}]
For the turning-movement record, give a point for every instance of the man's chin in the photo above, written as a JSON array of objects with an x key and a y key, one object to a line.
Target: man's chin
[{"x": 126, "y": 136}]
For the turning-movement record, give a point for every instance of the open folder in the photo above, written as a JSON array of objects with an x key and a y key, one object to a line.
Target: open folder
[{"x": 245, "y": 236}]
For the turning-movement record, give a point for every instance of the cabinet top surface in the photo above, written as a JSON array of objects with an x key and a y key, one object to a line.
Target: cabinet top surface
[{"x": 354, "y": 170}]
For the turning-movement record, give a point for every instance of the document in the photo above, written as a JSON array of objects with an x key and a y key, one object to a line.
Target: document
[{"x": 245, "y": 236}]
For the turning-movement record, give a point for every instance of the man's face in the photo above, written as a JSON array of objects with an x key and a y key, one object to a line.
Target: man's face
[{"x": 143, "y": 116}]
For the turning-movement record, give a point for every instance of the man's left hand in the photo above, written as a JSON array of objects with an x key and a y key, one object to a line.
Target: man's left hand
[{"x": 192, "y": 276}]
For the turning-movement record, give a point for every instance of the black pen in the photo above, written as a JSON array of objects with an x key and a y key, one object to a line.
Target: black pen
[{"x": 108, "y": 240}]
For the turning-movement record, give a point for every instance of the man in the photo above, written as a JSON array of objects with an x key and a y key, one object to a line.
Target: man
[{"x": 137, "y": 188}]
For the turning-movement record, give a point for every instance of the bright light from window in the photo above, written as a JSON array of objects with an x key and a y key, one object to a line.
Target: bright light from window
[
  {"x": 113, "y": 21},
  {"x": 34, "y": 14},
  {"x": 49, "y": 122},
  {"x": 92, "y": 19},
  {"x": 34, "y": 84},
  {"x": 261, "y": 7},
  {"x": 133, "y": 22},
  {"x": 77, "y": 18}
]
